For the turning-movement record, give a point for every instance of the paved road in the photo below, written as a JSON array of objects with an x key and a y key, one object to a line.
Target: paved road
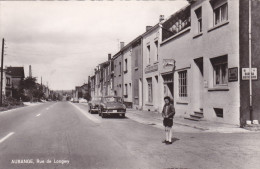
[{"x": 64, "y": 135}]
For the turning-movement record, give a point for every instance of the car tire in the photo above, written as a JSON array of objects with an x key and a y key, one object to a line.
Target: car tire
[
  {"x": 99, "y": 112},
  {"x": 123, "y": 115},
  {"x": 102, "y": 115}
]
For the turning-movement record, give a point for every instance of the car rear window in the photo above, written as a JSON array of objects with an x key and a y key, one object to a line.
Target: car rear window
[{"x": 112, "y": 99}]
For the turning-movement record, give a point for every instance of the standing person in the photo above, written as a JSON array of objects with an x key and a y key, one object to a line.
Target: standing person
[{"x": 168, "y": 114}]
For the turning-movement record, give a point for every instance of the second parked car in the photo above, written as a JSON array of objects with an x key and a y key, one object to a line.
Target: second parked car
[{"x": 94, "y": 104}]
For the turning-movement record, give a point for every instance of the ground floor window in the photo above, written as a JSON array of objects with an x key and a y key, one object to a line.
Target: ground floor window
[
  {"x": 220, "y": 70},
  {"x": 125, "y": 91},
  {"x": 150, "y": 90},
  {"x": 183, "y": 83}
]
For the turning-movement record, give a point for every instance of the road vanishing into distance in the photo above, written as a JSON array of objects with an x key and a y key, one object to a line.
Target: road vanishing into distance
[{"x": 57, "y": 135}]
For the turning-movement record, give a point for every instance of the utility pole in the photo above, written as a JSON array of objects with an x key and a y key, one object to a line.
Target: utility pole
[{"x": 2, "y": 63}]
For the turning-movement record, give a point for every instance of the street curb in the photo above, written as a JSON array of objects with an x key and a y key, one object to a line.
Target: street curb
[{"x": 2, "y": 112}]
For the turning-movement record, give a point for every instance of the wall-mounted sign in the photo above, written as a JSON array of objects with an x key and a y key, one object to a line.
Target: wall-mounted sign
[
  {"x": 233, "y": 74},
  {"x": 246, "y": 73},
  {"x": 168, "y": 62},
  {"x": 151, "y": 69}
]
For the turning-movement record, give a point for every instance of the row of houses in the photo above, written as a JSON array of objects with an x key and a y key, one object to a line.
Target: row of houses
[
  {"x": 12, "y": 78},
  {"x": 199, "y": 56}
]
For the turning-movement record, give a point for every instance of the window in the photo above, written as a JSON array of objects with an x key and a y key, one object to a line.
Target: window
[
  {"x": 150, "y": 90},
  {"x": 220, "y": 67},
  {"x": 119, "y": 68},
  {"x": 105, "y": 74},
  {"x": 219, "y": 112},
  {"x": 125, "y": 91},
  {"x": 148, "y": 54},
  {"x": 8, "y": 81},
  {"x": 136, "y": 60},
  {"x": 156, "y": 50},
  {"x": 125, "y": 66},
  {"x": 199, "y": 17},
  {"x": 130, "y": 88},
  {"x": 221, "y": 14},
  {"x": 183, "y": 84}
]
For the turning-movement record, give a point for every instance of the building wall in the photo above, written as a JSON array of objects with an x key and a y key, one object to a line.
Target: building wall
[
  {"x": 127, "y": 76},
  {"x": 118, "y": 76},
  {"x": 150, "y": 69},
  {"x": 188, "y": 46},
  {"x": 137, "y": 73},
  {"x": 16, "y": 82},
  {"x": 92, "y": 86},
  {"x": 97, "y": 80},
  {"x": 244, "y": 59}
]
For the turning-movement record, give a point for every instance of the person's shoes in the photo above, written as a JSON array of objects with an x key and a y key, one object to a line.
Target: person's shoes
[
  {"x": 164, "y": 141},
  {"x": 168, "y": 142}
]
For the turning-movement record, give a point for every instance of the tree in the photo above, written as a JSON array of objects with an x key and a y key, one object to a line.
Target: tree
[{"x": 31, "y": 89}]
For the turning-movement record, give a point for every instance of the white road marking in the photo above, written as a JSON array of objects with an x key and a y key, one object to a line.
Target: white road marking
[
  {"x": 38, "y": 115},
  {"x": 89, "y": 116},
  {"x": 6, "y": 137}
]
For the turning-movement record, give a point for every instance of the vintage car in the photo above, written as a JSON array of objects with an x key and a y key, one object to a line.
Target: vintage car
[
  {"x": 94, "y": 104},
  {"x": 111, "y": 105}
]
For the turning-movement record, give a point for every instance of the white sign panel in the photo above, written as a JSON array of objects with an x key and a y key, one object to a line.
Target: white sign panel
[
  {"x": 246, "y": 73},
  {"x": 168, "y": 62}
]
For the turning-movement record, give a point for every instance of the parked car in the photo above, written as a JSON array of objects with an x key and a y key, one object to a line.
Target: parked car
[
  {"x": 75, "y": 100},
  {"x": 111, "y": 105},
  {"x": 82, "y": 100},
  {"x": 94, "y": 104}
]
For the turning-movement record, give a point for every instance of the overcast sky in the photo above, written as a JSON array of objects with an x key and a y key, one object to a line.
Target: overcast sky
[{"x": 65, "y": 40}]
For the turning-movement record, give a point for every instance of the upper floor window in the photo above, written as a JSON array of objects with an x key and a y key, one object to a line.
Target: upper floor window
[
  {"x": 176, "y": 23},
  {"x": 199, "y": 17},
  {"x": 120, "y": 68},
  {"x": 220, "y": 70},
  {"x": 220, "y": 14},
  {"x": 8, "y": 81},
  {"x": 125, "y": 69},
  {"x": 148, "y": 54},
  {"x": 156, "y": 50}
]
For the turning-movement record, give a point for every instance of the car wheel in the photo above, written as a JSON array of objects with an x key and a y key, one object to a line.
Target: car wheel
[
  {"x": 123, "y": 115},
  {"x": 99, "y": 112},
  {"x": 102, "y": 115}
]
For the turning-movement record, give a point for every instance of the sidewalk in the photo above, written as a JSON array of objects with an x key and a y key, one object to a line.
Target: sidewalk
[{"x": 155, "y": 118}]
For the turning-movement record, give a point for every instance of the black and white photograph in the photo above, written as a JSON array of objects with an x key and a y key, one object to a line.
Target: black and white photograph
[{"x": 135, "y": 84}]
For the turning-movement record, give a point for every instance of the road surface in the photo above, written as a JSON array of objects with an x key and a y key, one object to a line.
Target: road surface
[{"x": 64, "y": 135}]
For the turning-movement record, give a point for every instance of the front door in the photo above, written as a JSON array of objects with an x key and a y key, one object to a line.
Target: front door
[{"x": 198, "y": 83}]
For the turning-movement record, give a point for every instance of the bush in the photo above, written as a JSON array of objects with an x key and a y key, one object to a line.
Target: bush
[{"x": 9, "y": 101}]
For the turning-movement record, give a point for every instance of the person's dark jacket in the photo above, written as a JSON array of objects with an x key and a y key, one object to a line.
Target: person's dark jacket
[{"x": 170, "y": 112}]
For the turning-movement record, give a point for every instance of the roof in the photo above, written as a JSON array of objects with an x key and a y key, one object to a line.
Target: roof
[{"x": 16, "y": 71}]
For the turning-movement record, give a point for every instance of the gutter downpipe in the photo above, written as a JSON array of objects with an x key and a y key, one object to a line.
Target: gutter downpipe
[
  {"x": 250, "y": 63},
  {"x": 142, "y": 74}
]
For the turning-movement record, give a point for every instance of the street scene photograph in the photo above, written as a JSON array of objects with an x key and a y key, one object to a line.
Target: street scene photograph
[{"x": 117, "y": 84}]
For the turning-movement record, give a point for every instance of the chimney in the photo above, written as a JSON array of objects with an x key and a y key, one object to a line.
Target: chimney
[
  {"x": 122, "y": 44},
  {"x": 148, "y": 28},
  {"x": 109, "y": 56},
  {"x": 30, "y": 71},
  {"x": 161, "y": 18}
]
